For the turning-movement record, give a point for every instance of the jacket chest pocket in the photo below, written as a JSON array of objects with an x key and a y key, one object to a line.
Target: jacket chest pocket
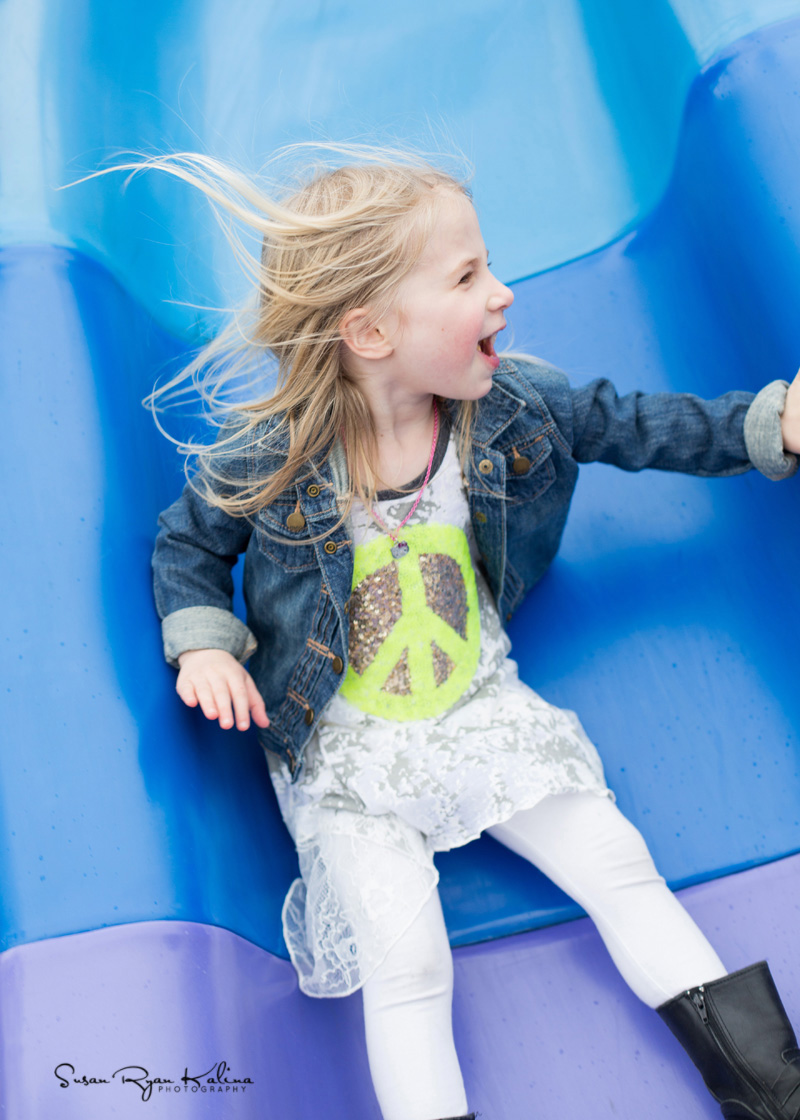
[
  {"x": 530, "y": 470},
  {"x": 282, "y": 533}
]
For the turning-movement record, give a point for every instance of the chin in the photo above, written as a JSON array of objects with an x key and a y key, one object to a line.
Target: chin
[
  {"x": 484, "y": 391},
  {"x": 476, "y": 394}
]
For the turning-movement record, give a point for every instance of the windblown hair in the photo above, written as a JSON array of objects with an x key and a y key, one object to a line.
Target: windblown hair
[{"x": 343, "y": 238}]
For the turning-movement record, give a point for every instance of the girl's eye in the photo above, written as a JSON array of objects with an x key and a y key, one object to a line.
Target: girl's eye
[{"x": 466, "y": 276}]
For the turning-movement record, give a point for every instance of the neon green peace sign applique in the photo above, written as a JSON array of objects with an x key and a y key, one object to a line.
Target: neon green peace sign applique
[{"x": 414, "y": 624}]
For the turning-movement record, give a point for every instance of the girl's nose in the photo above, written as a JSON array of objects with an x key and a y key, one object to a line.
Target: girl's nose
[{"x": 500, "y": 299}]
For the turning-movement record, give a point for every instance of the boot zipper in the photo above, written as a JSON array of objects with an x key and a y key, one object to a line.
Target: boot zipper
[{"x": 697, "y": 997}]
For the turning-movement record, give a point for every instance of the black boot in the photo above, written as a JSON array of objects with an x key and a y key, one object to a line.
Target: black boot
[{"x": 736, "y": 1032}]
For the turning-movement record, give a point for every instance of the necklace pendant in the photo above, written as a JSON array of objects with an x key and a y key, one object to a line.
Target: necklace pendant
[{"x": 400, "y": 550}]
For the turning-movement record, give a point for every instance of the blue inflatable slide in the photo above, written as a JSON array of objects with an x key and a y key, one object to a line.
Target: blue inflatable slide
[{"x": 636, "y": 175}]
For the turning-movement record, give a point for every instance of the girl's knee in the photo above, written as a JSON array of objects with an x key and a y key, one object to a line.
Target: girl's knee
[
  {"x": 423, "y": 963},
  {"x": 615, "y": 854},
  {"x": 581, "y": 841},
  {"x": 419, "y": 964}
]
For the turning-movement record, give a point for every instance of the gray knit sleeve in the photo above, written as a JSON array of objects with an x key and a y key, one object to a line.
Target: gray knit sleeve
[
  {"x": 206, "y": 628},
  {"x": 762, "y": 433}
]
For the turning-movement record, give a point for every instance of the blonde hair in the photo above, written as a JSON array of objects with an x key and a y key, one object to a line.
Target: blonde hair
[{"x": 341, "y": 238}]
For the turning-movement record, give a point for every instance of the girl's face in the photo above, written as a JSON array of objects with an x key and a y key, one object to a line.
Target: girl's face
[{"x": 450, "y": 307}]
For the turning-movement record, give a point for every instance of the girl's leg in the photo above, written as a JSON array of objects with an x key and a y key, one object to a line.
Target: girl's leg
[
  {"x": 734, "y": 1028},
  {"x": 408, "y": 1020},
  {"x": 585, "y": 845}
]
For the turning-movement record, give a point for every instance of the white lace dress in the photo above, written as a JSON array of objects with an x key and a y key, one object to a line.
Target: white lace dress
[{"x": 431, "y": 739}]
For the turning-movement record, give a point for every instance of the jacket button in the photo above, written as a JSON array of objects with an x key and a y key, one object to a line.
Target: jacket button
[
  {"x": 313, "y": 490},
  {"x": 520, "y": 464},
  {"x": 309, "y": 716},
  {"x": 338, "y": 664},
  {"x": 485, "y": 466},
  {"x": 295, "y": 521},
  {"x": 480, "y": 516},
  {"x": 330, "y": 547}
]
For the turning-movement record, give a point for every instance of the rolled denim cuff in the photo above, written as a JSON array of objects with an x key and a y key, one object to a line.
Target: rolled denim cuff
[
  {"x": 206, "y": 628},
  {"x": 762, "y": 433}
]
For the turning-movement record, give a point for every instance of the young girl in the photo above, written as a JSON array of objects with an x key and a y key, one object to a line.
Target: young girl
[{"x": 396, "y": 497}]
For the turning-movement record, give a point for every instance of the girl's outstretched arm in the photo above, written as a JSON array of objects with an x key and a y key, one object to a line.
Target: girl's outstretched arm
[{"x": 726, "y": 435}]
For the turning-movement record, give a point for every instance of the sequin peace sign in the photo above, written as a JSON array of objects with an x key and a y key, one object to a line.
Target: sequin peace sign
[{"x": 414, "y": 624}]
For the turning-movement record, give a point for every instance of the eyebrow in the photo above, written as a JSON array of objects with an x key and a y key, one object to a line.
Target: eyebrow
[{"x": 468, "y": 261}]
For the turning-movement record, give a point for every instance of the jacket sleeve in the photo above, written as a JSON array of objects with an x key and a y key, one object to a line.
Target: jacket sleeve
[
  {"x": 195, "y": 551},
  {"x": 682, "y": 432}
]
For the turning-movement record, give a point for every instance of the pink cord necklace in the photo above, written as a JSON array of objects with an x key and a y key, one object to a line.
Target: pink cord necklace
[{"x": 400, "y": 548}]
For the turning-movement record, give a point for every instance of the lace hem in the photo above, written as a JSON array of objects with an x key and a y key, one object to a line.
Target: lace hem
[{"x": 364, "y": 881}]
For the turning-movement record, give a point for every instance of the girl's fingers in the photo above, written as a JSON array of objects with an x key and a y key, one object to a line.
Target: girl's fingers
[
  {"x": 241, "y": 704},
  {"x": 222, "y": 697},
  {"x": 185, "y": 689},
  {"x": 790, "y": 420},
  {"x": 256, "y": 703},
  {"x": 205, "y": 698},
  {"x": 224, "y": 692}
]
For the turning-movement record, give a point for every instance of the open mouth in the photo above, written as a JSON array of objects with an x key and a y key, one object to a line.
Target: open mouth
[{"x": 486, "y": 346}]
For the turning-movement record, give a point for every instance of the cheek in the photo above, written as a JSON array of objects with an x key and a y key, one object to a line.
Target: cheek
[
  {"x": 458, "y": 340},
  {"x": 466, "y": 348},
  {"x": 452, "y": 349}
]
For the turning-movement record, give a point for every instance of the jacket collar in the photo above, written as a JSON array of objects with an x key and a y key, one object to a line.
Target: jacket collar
[
  {"x": 496, "y": 410},
  {"x": 494, "y": 413}
]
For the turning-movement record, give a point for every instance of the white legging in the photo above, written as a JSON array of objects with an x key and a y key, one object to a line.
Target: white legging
[{"x": 586, "y": 846}]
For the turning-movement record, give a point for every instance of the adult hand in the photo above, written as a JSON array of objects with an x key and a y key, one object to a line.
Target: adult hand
[
  {"x": 215, "y": 680},
  {"x": 790, "y": 421}
]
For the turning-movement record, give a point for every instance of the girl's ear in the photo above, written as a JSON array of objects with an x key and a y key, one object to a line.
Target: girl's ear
[{"x": 367, "y": 340}]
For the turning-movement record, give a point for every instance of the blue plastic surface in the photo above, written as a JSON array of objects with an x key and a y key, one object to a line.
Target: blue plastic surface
[
  {"x": 664, "y": 623},
  {"x": 570, "y": 110}
]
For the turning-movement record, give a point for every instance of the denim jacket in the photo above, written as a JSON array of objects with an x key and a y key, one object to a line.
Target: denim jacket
[{"x": 530, "y": 433}]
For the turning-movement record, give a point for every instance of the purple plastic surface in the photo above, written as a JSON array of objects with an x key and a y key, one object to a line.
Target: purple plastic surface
[{"x": 544, "y": 1025}]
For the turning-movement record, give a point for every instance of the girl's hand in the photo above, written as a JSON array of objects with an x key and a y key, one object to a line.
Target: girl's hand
[
  {"x": 790, "y": 421},
  {"x": 215, "y": 680}
]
